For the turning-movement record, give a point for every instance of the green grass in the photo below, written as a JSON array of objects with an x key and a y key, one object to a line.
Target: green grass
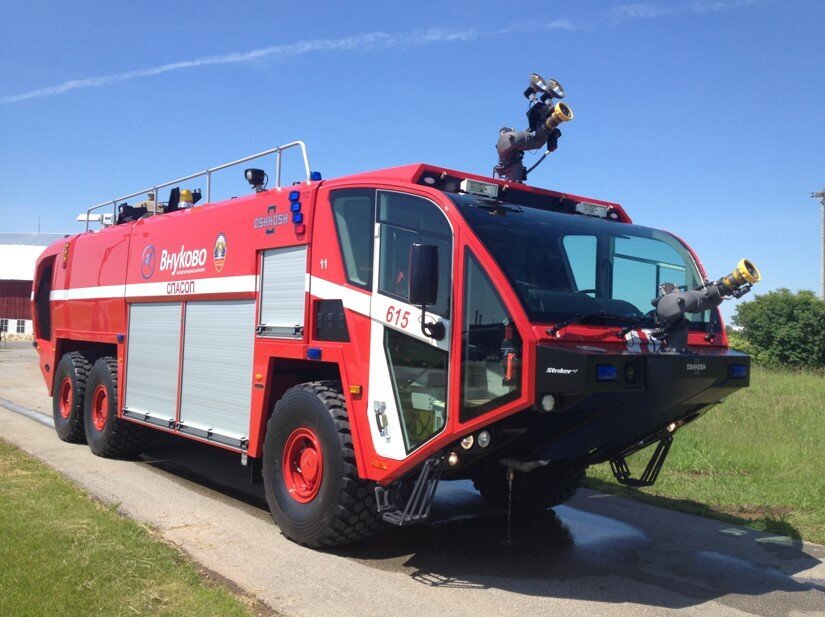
[
  {"x": 758, "y": 459},
  {"x": 61, "y": 553}
]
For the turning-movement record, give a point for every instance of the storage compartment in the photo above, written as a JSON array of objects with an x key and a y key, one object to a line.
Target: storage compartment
[
  {"x": 153, "y": 355},
  {"x": 216, "y": 387},
  {"x": 283, "y": 292}
]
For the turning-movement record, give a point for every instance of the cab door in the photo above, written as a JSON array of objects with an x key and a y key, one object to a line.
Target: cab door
[{"x": 408, "y": 378}]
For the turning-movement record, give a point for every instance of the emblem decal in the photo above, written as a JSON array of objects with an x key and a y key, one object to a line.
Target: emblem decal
[
  {"x": 147, "y": 262},
  {"x": 219, "y": 253}
]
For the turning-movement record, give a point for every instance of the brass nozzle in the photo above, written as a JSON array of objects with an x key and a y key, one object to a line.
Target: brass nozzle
[
  {"x": 561, "y": 113},
  {"x": 745, "y": 274}
]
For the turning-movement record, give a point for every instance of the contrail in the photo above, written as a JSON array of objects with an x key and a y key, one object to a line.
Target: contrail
[
  {"x": 373, "y": 40},
  {"x": 362, "y": 42},
  {"x": 382, "y": 40}
]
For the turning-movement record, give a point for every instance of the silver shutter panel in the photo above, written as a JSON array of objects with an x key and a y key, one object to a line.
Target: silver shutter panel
[
  {"x": 216, "y": 389},
  {"x": 153, "y": 351},
  {"x": 283, "y": 297}
]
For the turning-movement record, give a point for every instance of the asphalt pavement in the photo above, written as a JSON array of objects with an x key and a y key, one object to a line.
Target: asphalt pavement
[{"x": 599, "y": 554}]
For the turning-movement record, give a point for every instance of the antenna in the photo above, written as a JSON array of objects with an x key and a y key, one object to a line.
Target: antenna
[{"x": 820, "y": 195}]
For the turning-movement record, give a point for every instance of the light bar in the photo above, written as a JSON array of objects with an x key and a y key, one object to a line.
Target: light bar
[
  {"x": 485, "y": 189},
  {"x": 589, "y": 209},
  {"x": 105, "y": 218}
]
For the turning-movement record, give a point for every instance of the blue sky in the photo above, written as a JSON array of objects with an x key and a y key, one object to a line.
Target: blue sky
[{"x": 702, "y": 117}]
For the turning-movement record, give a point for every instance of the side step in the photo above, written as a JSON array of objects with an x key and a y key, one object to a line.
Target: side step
[
  {"x": 417, "y": 508},
  {"x": 651, "y": 472}
]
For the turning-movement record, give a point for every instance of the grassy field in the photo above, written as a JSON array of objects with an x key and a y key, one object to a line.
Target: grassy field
[
  {"x": 61, "y": 553},
  {"x": 758, "y": 459}
]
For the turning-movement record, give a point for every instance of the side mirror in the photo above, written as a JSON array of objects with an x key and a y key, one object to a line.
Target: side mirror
[
  {"x": 424, "y": 285},
  {"x": 423, "y": 274}
]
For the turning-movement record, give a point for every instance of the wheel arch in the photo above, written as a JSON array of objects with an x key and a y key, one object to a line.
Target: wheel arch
[
  {"x": 283, "y": 373},
  {"x": 93, "y": 349}
]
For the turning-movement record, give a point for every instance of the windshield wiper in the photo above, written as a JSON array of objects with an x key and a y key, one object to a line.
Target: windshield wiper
[
  {"x": 584, "y": 317},
  {"x": 649, "y": 317}
]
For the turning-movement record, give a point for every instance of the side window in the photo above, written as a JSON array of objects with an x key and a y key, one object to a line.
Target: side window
[
  {"x": 42, "y": 309},
  {"x": 354, "y": 213},
  {"x": 491, "y": 346},
  {"x": 406, "y": 220},
  {"x": 419, "y": 374}
]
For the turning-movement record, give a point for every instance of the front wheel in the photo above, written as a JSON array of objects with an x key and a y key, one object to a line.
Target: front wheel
[
  {"x": 311, "y": 483},
  {"x": 544, "y": 487}
]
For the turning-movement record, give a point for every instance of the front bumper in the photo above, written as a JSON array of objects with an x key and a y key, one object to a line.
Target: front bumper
[{"x": 609, "y": 403}]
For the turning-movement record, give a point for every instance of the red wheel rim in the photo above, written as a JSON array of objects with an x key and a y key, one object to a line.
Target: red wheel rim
[
  {"x": 64, "y": 398},
  {"x": 100, "y": 407},
  {"x": 303, "y": 465}
]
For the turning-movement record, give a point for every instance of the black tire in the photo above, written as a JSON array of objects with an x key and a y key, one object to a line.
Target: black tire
[
  {"x": 70, "y": 380},
  {"x": 540, "y": 489},
  {"x": 106, "y": 434},
  {"x": 337, "y": 508}
]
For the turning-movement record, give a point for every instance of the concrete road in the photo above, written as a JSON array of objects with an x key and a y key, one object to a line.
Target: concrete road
[{"x": 599, "y": 554}]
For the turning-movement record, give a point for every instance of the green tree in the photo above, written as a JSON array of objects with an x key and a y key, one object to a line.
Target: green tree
[{"x": 784, "y": 328}]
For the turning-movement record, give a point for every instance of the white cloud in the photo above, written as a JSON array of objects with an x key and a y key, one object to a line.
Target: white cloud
[
  {"x": 652, "y": 10},
  {"x": 382, "y": 40}
]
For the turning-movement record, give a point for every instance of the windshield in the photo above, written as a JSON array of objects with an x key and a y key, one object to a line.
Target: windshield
[{"x": 563, "y": 266}]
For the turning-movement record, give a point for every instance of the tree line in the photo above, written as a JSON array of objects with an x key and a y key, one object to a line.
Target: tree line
[{"x": 781, "y": 329}]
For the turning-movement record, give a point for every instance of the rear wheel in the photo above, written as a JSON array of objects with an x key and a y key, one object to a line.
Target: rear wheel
[
  {"x": 106, "y": 434},
  {"x": 69, "y": 393},
  {"x": 542, "y": 488},
  {"x": 311, "y": 483}
]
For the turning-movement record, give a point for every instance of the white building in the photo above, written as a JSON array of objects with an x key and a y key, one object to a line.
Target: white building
[{"x": 18, "y": 256}]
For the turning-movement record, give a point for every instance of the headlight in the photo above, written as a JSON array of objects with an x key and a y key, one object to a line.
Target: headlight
[{"x": 484, "y": 439}]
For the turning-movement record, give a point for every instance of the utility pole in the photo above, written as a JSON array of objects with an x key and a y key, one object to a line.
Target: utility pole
[{"x": 821, "y": 197}]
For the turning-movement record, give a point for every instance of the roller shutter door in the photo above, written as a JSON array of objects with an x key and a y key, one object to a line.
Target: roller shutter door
[
  {"x": 153, "y": 353},
  {"x": 216, "y": 388}
]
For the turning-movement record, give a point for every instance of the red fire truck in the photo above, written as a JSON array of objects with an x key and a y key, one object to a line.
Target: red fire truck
[{"x": 356, "y": 340}]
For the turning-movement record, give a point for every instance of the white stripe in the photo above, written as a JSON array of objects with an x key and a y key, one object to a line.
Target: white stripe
[
  {"x": 86, "y": 293},
  {"x": 216, "y": 285},
  {"x": 353, "y": 300}
]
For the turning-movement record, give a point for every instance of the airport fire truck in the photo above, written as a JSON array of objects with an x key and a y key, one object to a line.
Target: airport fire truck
[{"x": 355, "y": 341}]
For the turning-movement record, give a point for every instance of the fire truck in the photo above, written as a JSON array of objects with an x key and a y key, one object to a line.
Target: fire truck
[{"x": 355, "y": 341}]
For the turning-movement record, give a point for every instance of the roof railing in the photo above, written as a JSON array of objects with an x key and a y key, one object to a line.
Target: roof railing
[{"x": 208, "y": 173}]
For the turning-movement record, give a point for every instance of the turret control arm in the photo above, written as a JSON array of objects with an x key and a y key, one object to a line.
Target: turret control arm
[{"x": 672, "y": 304}]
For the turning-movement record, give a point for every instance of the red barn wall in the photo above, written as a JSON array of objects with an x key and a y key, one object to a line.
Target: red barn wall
[{"x": 15, "y": 299}]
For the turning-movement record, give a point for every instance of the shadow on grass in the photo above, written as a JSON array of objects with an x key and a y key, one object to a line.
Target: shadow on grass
[{"x": 771, "y": 524}]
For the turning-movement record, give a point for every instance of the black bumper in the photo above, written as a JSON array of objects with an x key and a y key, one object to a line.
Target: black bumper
[{"x": 607, "y": 403}]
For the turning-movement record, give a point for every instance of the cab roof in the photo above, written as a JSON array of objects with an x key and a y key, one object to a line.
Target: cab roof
[{"x": 449, "y": 180}]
